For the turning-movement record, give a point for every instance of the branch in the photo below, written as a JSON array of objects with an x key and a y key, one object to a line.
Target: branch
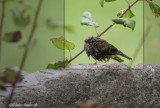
[
  {"x": 110, "y": 26},
  {"x": 1, "y": 23},
  {"x": 26, "y": 50}
]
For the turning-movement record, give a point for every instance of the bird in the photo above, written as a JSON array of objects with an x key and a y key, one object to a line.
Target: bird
[{"x": 101, "y": 50}]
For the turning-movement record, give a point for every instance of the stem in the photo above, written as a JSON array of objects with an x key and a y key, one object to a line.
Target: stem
[
  {"x": 26, "y": 50},
  {"x": 96, "y": 30},
  {"x": 1, "y": 24},
  {"x": 30, "y": 36},
  {"x": 76, "y": 56},
  {"x": 110, "y": 26}
]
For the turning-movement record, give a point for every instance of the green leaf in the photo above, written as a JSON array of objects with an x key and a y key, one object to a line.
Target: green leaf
[
  {"x": 101, "y": 2},
  {"x": 88, "y": 20},
  {"x": 125, "y": 22},
  {"x": 61, "y": 43},
  {"x": 10, "y": 76},
  {"x": 154, "y": 8},
  {"x": 21, "y": 19},
  {"x": 109, "y": 0},
  {"x": 12, "y": 36},
  {"x": 55, "y": 65},
  {"x": 128, "y": 14}
]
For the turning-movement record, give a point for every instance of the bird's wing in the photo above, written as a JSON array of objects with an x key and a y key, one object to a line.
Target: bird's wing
[
  {"x": 102, "y": 45},
  {"x": 86, "y": 48},
  {"x": 112, "y": 49}
]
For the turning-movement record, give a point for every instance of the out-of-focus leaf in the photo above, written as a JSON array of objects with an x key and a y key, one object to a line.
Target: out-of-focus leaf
[
  {"x": 70, "y": 28},
  {"x": 10, "y": 76},
  {"x": 125, "y": 22},
  {"x": 61, "y": 43},
  {"x": 12, "y": 36},
  {"x": 55, "y": 65},
  {"x": 155, "y": 8},
  {"x": 58, "y": 24},
  {"x": 115, "y": 57},
  {"x": 21, "y": 19},
  {"x": 2, "y": 86},
  {"x": 26, "y": 4},
  {"x": 109, "y": 0},
  {"x": 101, "y": 2},
  {"x": 128, "y": 14},
  {"x": 88, "y": 20},
  {"x": 54, "y": 24}
]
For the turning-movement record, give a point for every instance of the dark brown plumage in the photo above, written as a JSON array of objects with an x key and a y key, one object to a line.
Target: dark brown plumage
[{"x": 100, "y": 49}]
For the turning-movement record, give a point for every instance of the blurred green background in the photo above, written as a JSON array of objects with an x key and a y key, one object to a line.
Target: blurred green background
[
  {"x": 43, "y": 51},
  {"x": 152, "y": 43},
  {"x": 123, "y": 38},
  {"x": 69, "y": 12}
]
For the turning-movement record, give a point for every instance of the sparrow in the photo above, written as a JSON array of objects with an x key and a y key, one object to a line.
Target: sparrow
[{"x": 101, "y": 50}]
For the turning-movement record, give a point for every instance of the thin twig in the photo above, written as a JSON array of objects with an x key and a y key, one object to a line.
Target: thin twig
[
  {"x": 1, "y": 24},
  {"x": 26, "y": 50},
  {"x": 110, "y": 26}
]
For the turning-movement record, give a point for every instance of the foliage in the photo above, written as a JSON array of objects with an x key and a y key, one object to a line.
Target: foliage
[
  {"x": 9, "y": 76},
  {"x": 21, "y": 18},
  {"x": 128, "y": 14},
  {"x": 125, "y": 22},
  {"x": 61, "y": 43},
  {"x": 59, "y": 64},
  {"x": 88, "y": 20},
  {"x": 155, "y": 8},
  {"x": 12, "y": 36},
  {"x": 102, "y": 2}
]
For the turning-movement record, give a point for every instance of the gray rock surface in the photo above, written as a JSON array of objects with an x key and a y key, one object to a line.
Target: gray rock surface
[{"x": 61, "y": 88}]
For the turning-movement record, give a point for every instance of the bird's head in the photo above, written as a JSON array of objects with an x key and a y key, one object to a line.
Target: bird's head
[{"x": 90, "y": 40}]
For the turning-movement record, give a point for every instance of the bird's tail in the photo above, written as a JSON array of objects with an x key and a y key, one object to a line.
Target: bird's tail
[
  {"x": 122, "y": 54},
  {"x": 115, "y": 57}
]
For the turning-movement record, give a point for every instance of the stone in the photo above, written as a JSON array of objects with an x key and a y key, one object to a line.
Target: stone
[{"x": 62, "y": 88}]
